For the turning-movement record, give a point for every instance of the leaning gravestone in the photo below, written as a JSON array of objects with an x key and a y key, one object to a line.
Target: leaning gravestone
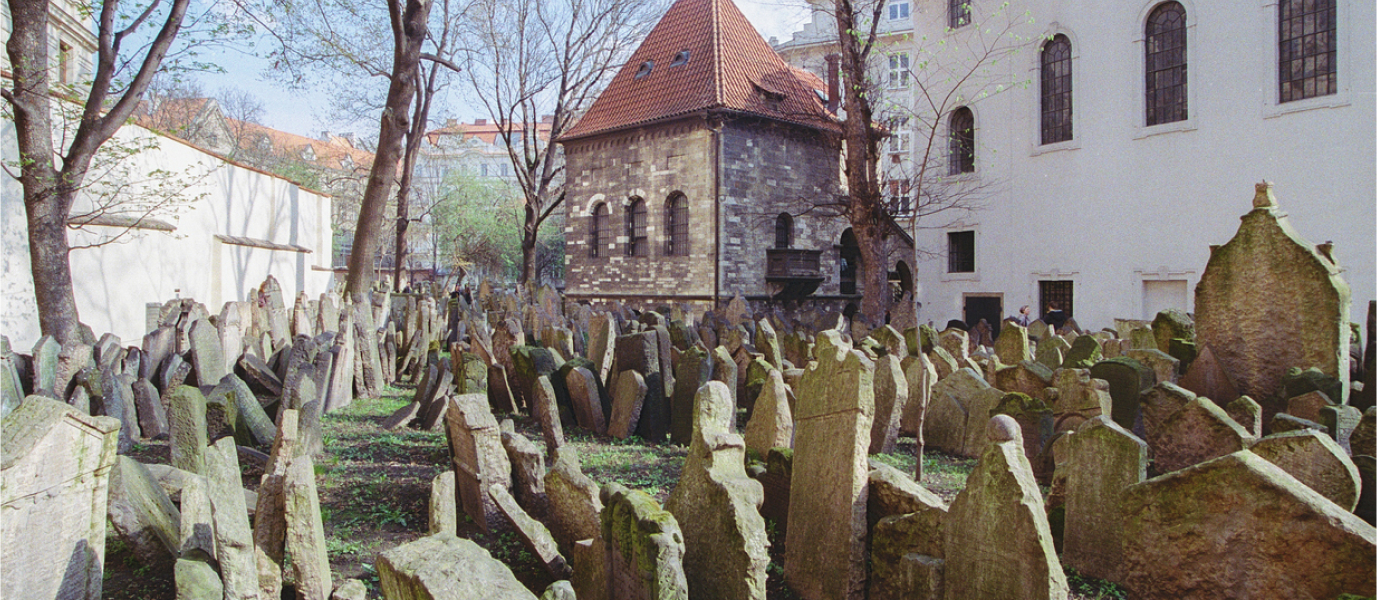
[
  {"x": 1198, "y": 432},
  {"x": 1105, "y": 459},
  {"x": 573, "y": 502},
  {"x": 645, "y": 548},
  {"x": 1269, "y": 300},
  {"x": 446, "y": 567},
  {"x": 1315, "y": 460},
  {"x": 1241, "y": 527},
  {"x": 480, "y": 461},
  {"x": 718, "y": 506},
  {"x": 142, "y": 514},
  {"x": 54, "y": 476},
  {"x": 234, "y": 548},
  {"x": 692, "y": 370},
  {"x": 998, "y": 543},
  {"x": 628, "y": 400},
  {"x": 187, "y": 421},
  {"x": 891, "y": 396},
  {"x": 827, "y": 528},
  {"x": 772, "y": 424}
]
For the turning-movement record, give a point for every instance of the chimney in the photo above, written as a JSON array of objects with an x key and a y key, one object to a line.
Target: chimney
[
  {"x": 833, "y": 83},
  {"x": 480, "y": 121}
]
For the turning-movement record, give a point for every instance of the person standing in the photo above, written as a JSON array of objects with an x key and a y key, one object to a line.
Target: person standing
[
  {"x": 1024, "y": 317},
  {"x": 1054, "y": 317}
]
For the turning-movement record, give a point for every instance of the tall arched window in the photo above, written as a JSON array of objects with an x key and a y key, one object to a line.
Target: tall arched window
[
  {"x": 635, "y": 228},
  {"x": 1306, "y": 49},
  {"x": 962, "y": 142},
  {"x": 598, "y": 230},
  {"x": 1166, "y": 64},
  {"x": 784, "y": 230},
  {"x": 676, "y": 225},
  {"x": 1056, "y": 90}
]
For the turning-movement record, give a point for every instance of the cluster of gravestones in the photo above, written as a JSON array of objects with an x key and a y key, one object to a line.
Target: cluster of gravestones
[{"x": 219, "y": 389}]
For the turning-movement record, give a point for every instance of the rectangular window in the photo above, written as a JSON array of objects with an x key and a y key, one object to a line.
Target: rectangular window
[
  {"x": 1306, "y": 49},
  {"x": 898, "y": 11},
  {"x": 1056, "y": 293},
  {"x": 961, "y": 252},
  {"x": 898, "y": 70},
  {"x": 958, "y": 13},
  {"x": 898, "y": 197}
]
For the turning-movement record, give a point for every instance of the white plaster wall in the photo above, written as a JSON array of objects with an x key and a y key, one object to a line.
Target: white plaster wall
[
  {"x": 114, "y": 282},
  {"x": 1121, "y": 204}
]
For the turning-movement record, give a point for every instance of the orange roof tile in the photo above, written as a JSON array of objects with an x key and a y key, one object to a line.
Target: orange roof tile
[
  {"x": 483, "y": 129},
  {"x": 729, "y": 67}
]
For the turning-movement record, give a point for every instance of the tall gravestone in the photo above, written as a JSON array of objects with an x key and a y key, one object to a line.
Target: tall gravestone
[
  {"x": 826, "y": 542},
  {"x": 644, "y": 546},
  {"x": 1270, "y": 300},
  {"x": 480, "y": 461},
  {"x": 1104, "y": 460},
  {"x": 55, "y": 472}
]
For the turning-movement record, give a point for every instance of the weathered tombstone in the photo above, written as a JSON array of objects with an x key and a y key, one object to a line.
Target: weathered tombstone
[
  {"x": 1307, "y": 406},
  {"x": 187, "y": 422},
  {"x": 1288, "y": 540},
  {"x": 269, "y": 520},
  {"x": 693, "y": 369},
  {"x": 1084, "y": 353},
  {"x": 1034, "y": 420},
  {"x": 586, "y": 399},
  {"x": 717, "y": 505},
  {"x": 891, "y": 396},
  {"x": 1127, "y": 379},
  {"x": 602, "y": 337},
  {"x": 149, "y": 406},
  {"x": 1206, "y": 377},
  {"x": 447, "y": 567},
  {"x": 196, "y": 579},
  {"x": 118, "y": 401},
  {"x": 1171, "y": 324},
  {"x": 1163, "y": 365},
  {"x": 772, "y": 423},
  {"x": 573, "y": 501},
  {"x": 528, "y": 471},
  {"x": 1080, "y": 398},
  {"x": 628, "y": 399},
  {"x": 305, "y": 541},
  {"x": 1247, "y": 413},
  {"x": 906, "y": 539},
  {"x": 142, "y": 514},
  {"x": 1012, "y": 345},
  {"x": 998, "y": 543},
  {"x": 1198, "y": 432},
  {"x": 1315, "y": 460},
  {"x": 1269, "y": 300},
  {"x": 546, "y": 411},
  {"x": 724, "y": 368},
  {"x": 529, "y": 363},
  {"x": 479, "y": 459},
  {"x": 443, "y": 516},
  {"x": 644, "y": 546},
  {"x": 825, "y": 555},
  {"x": 1051, "y": 352},
  {"x": 234, "y": 548},
  {"x": 55, "y": 472},
  {"x": 1104, "y": 459},
  {"x": 207, "y": 356},
  {"x": 1027, "y": 377},
  {"x": 534, "y": 536}
]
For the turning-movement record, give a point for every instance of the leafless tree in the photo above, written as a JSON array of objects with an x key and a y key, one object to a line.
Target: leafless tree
[
  {"x": 121, "y": 77},
  {"x": 537, "y": 64}
]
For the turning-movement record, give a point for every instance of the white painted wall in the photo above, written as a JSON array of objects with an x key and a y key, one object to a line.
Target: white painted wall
[
  {"x": 115, "y": 281},
  {"x": 1122, "y": 206}
]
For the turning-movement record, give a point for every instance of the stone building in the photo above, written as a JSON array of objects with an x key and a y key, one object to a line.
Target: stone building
[{"x": 707, "y": 169}]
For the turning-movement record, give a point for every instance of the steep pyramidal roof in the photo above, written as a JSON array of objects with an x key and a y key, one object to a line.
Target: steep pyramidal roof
[{"x": 704, "y": 54}]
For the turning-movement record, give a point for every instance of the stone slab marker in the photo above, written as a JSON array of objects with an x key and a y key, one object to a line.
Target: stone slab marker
[
  {"x": 54, "y": 468},
  {"x": 546, "y": 411},
  {"x": 233, "y": 539},
  {"x": 627, "y": 403},
  {"x": 1198, "y": 432},
  {"x": 1270, "y": 300},
  {"x": 573, "y": 500},
  {"x": 533, "y": 533},
  {"x": 446, "y": 567},
  {"x": 305, "y": 532},
  {"x": 1012, "y": 346},
  {"x": 1191, "y": 533},
  {"x": 187, "y": 421},
  {"x": 692, "y": 370},
  {"x": 826, "y": 541},
  {"x": 142, "y": 514},
  {"x": 207, "y": 356},
  {"x": 1315, "y": 460},
  {"x": 891, "y": 396},
  {"x": 718, "y": 505},
  {"x": 480, "y": 461},
  {"x": 1104, "y": 460},
  {"x": 921, "y": 376},
  {"x": 997, "y": 540},
  {"x": 772, "y": 423},
  {"x": 587, "y": 400},
  {"x": 644, "y": 546},
  {"x": 443, "y": 517},
  {"x": 269, "y": 519}
]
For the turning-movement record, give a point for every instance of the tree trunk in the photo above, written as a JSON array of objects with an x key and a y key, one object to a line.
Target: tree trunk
[
  {"x": 530, "y": 227},
  {"x": 409, "y": 30}
]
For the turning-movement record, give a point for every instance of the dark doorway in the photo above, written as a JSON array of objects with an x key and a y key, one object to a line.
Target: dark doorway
[
  {"x": 850, "y": 262},
  {"x": 901, "y": 278},
  {"x": 990, "y": 308}
]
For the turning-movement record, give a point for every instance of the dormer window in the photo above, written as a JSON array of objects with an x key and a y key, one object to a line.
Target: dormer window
[
  {"x": 645, "y": 69},
  {"x": 681, "y": 58}
]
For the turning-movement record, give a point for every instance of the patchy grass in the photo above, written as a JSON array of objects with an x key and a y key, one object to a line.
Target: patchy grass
[
  {"x": 943, "y": 474},
  {"x": 1089, "y": 588}
]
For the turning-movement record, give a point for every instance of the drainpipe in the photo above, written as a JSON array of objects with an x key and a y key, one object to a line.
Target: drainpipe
[{"x": 716, "y": 129}]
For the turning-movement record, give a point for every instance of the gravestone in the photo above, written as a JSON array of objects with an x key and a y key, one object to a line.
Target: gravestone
[
  {"x": 921, "y": 376},
  {"x": 480, "y": 461},
  {"x": 586, "y": 399},
  {"x": 1315, "y": 460},
  {"x": 772, "y": 424},
  {"x": 1127, "y": 379},
  {"x": 444, "y": 566},
  {"x": 891, "y": 396},
  {"x": 1207, "y": 377},
  {"x": 692, "y": 371},
  {"x": 1051, "y": 352},
  {"x": 187, "y": 422},
  {"x": 1027, "y": 377},
  {"x": 1084, "y": 353},
  {"x": 997, "y": 541},
  {"x": 1034, "y": 420},
  {"x": 142, "y": 514},
  {"x": 644, "y": 547},
  {"x": 574, "y": 504},
  {"x": 1080, "y": 398},
  {"x": 1171, "y": 324},
  {"x": 546, "y": 410},
  {"x": 717, "y": 505},
  {"x": 1191, "y": 533},
  {"x": 443, "y": 516},
  {"x": 1270, "y": 300},
  {"x": 528, "y": 471},
  {"x": 1012, "y": 345},
  {"x": 906, "y": 554},
  {"x": 207, "y": 356},
  {"x": 1247, "y": 413},
  {"x": 234, "y": 548},
  {"x": 1198, "y": 432},
  {"x": 534, "y": 536},
  {"x": 1104, "y": 458},
  {"x": 628, "y": 400},
  {"x": 825, "y": 547},
  {"x": 55, "y": 472}
]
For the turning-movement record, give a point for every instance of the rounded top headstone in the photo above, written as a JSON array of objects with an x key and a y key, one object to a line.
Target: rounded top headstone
[{"x": 1003, "y": 428}]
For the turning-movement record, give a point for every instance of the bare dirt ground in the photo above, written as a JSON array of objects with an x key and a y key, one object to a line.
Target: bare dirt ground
[{"x": 374, "y": 488}]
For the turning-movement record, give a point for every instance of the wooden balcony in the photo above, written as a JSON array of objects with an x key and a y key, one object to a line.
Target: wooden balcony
[{"x": 799, "y": 272}]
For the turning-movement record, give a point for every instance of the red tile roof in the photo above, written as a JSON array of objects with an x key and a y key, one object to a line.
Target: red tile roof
[
  {"x": 485, "y": 130},
  {"x": 729, "y": 67}
]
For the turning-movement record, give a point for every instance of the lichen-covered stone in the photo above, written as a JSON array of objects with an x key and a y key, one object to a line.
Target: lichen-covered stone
[
  {"x": 1315, "y": 460},
  {"x": 772, "y": 422},
  {"x": 1127, "y": 379},
  {"x": 446, "y": 567},
  {"x": 142, "y": 514},
  {"x": 1103, "y": 460},
  {"x": 1012, "y": 345},
  {"x": 233, "y": 538},
  {"x": 691, "y": 371},
  {"x": 1247, "y": 413},
  {"x": 1241, "y": 527},
  {"x": 1084, "y": 353},
  {"x": 1198, "y": 432},
  {"x": 891, "y": 396},
  {"x": 305, "y": 531},
  {"x": 443, "y": 516},
  {"x": 645, "y": 548},
  {"x": 187, "y": 421},
  {"x": 480, "y": 461},
  {"x": 573, "y": 500}
]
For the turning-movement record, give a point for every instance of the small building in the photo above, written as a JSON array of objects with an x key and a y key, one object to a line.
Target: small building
[{"x": 708, "y": 169}]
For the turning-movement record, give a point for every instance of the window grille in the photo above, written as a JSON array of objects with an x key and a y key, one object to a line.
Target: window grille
[
  {"x": 962, "y": 150},
  {"x": 635, "y": 228},
  {"x": 1166, "y": 64},
  {"x": 1306, "y": 49},
  {"x": 961, "y": 252},
  {"x": 1056, "y": 90}
]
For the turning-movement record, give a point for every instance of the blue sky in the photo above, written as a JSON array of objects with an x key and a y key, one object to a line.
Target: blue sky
[{"x": 301, "y": 111}]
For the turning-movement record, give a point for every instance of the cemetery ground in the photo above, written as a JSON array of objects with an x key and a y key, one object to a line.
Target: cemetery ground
[{"x": 374, "y": 490}]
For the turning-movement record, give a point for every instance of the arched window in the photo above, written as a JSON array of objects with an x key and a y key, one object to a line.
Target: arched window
[
  {"x": 850, "y": 259},
  {"x": 1166, "y": 64},
  {"x": 635, "y": 228},
  {"x": 962, "y": 143},
  {"x": 676, "y": 225},
  {"x": 784, "y": 231},
  {"x": 1056, "y": 90},
  {"x": 1306, "y": 49},
  {"x": 598, "y": 230}
]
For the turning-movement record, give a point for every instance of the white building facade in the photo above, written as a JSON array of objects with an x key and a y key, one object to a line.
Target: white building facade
[{"x": 1113, "y": 143}]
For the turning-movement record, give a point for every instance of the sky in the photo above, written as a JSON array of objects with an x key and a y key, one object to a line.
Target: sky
[{"x": 303, "y": 112}]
